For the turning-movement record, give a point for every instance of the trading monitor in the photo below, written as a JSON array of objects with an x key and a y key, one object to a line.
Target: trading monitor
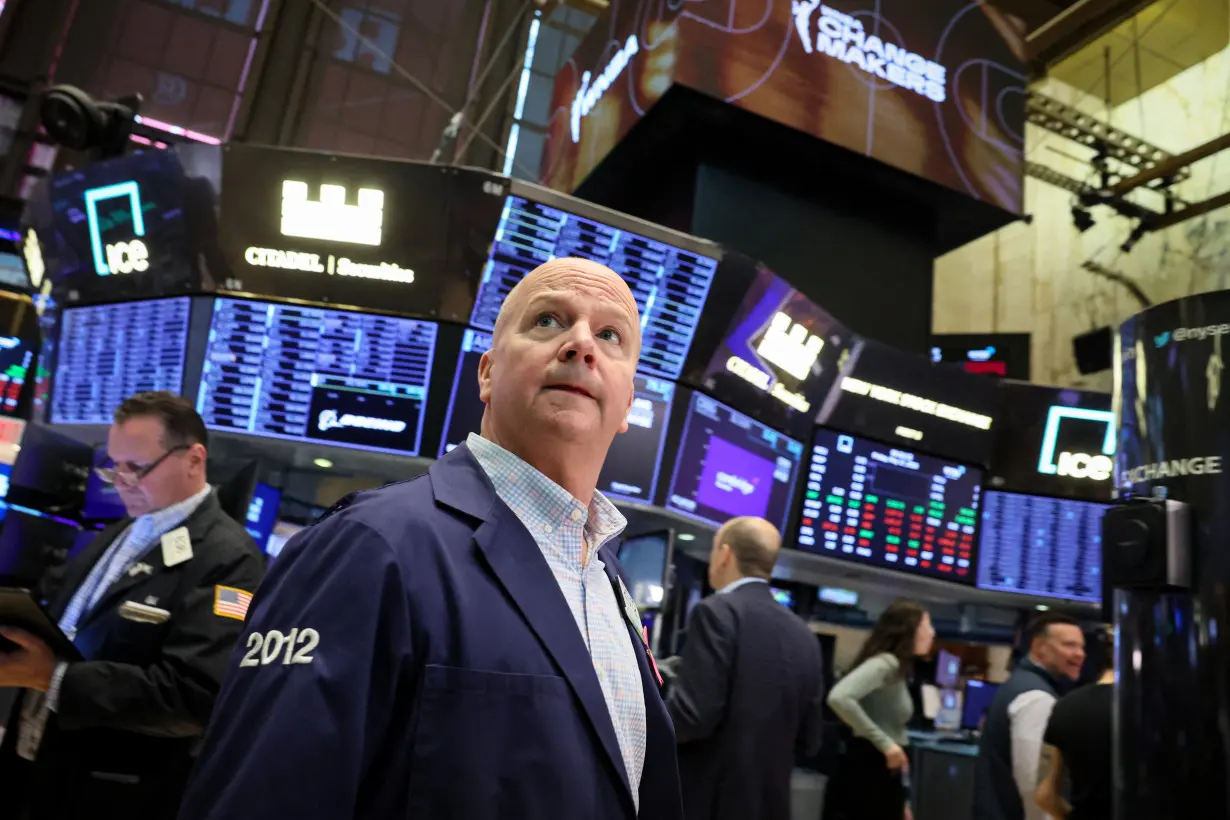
[
  {"x": 893, "y": 396},
  {"x": 262, "y": 513},
  {"x": 947, "y": 670},
  {"x": 978, "y": 697},
  {"x": 102, "y": 500},
  {"x": 282, "y": 532},
  {"x": 31, "y": 543},
  {"x": 332, "y": 377},
  {"x": 670, "y": 284},
  {"x": 109, "y": 352},
  {"x": 731, "y": 465},
  {"x": 646, "y": 560},
  {"x": 1051, "y": 547},
  {"x": 886, "y": 506},
  {"x": 783, "y": 596},
  {"x": 779, "y": 356},
  {"x": 51, "y": 469}
]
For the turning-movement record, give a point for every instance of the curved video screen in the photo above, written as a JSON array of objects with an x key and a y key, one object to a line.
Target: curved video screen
[
  {"x": 881, "y": 505},
  {"x": 731, "y": 465},
  {"x": 310, "y": 374},
  {"x": 1050, "y": 547}
]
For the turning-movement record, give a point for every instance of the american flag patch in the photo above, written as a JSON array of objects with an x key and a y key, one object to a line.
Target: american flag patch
[{"x": 230, "y": 602}]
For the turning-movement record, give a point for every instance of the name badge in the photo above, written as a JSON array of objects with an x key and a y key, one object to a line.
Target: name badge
[
  {"x": 176, "y": 547},
  {"x": 631, "y": 612}
]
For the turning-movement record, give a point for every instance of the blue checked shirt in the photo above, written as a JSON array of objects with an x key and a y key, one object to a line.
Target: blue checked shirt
[{"x": 562, "y": 526}]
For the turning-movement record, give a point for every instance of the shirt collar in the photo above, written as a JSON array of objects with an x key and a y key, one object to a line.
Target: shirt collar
[
  {"x": 511, "y": 475},
  {"x": 169, "y": 517},
  {"x": 742, "y": 582}
]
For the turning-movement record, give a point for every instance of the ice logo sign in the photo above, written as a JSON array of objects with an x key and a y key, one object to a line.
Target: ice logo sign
[
  {"x": 1094, "y": 467},
  {"x": 130, "y": 255},
  {"x": 330, "y": 219},
  {"x": 789, "y": 346}
]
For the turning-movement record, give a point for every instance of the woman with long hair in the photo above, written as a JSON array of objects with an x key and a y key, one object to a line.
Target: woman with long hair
[{"x": 874, "y": 701}]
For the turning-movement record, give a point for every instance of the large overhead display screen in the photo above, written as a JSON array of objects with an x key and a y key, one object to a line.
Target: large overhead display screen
[
  {"x": 779, "y": 357},
  {"x": 1050, "y": 547},
  {"x": 310, "y": 374},
  {"x": 731, "y": 465},
  {"x": 881, "y": 505},
  {"x": 109, "y": 352},
  {"x": 892, "y": 396},
  {"x": 670, "y": 284}
]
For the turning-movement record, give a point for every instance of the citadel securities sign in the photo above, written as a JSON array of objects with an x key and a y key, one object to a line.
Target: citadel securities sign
[{"x": 844, "y": 38}]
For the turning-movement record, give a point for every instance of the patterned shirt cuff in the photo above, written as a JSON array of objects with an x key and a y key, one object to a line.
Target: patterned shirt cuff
[{"x": 53, "y": 691}]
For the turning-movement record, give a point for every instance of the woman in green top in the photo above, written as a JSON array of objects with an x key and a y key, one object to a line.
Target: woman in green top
[{"x": 874, "y": 701}]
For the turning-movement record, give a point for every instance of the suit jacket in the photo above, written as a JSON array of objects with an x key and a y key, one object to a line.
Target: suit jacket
[
  {"x": 424, "y": 664},
  {"x": 748, "y": 696},
  {"x": 130, "y": 714}
]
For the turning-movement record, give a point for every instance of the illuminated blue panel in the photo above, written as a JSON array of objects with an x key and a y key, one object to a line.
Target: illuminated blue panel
[
  {"x": 310, "y": 374},
  {"x": 670, "y": 284},
  {"x": 109, "y": 352}
]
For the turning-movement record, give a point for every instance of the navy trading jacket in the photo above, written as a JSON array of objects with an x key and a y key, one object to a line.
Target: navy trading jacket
[{"x": 412, "y": 656}]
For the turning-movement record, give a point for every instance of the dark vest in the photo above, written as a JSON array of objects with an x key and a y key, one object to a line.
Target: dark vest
[{"x": 995, "y": 793}]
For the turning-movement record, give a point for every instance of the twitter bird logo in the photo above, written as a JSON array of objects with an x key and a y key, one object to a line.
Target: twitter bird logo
[{"x": 1161, "y": 339}]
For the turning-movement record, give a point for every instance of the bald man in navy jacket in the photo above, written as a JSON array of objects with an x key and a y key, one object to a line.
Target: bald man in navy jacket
[{"x": 462, "y": 645}]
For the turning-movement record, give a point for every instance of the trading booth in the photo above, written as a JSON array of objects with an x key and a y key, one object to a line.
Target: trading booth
[{"x": 326, "y": 314}]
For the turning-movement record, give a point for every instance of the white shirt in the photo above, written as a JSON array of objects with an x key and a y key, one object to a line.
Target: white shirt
[{"x": 1028, "y": 714}]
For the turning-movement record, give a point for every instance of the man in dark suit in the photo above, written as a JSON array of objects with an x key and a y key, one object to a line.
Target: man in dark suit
[
  {"x": 154, "y": 604},
  {"x": 747, "y": 694},
  {"x": 461, "y": 645}
]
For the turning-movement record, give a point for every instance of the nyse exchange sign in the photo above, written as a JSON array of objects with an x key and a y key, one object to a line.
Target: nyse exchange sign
[{"x": 1078, "y": 443}]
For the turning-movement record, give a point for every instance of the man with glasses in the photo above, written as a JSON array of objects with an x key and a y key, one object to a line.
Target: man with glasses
[{"x": 155, "y": 604}]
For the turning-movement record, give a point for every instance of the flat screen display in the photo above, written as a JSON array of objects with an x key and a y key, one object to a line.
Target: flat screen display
[
  {"x": 13, "y": 272},
  {"x": 121, "y": 229},
  {"x": 978, "y": 697},
  {"x": 632, "y": 464},
  {"x": 783, "y": 596},
  {"x": 1053, "y": 441},
  {"x": 779, "y": 357},
  {"x": 262, "y": 513},
  {"x": 947, "y": 670},
  {"x": 283, "y": 531},
  {"x": 645, "y": 560},
  {"x": 731, "y": 465},
  {"x": 900, "y": 398},
  {"x": 1051, "y": 547},
  {"x": 670, "y": 284},
  {"x": 1003, "y": 355},
  {"x": 17, "y": 358},
  {"x": 109, "y": 352},
  {"x": 882, "y": 505},
  {"x": 310, "y": 374}
]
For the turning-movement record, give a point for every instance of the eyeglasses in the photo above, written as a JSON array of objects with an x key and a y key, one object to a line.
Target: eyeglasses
[{"x": 129, "y": 473}]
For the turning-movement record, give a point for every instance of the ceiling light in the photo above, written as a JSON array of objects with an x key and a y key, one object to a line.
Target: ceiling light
[
  {"x": 686, "y": 536},
  {"x": 323, "y": 463},
  {"x": 1042, "y": 607}
]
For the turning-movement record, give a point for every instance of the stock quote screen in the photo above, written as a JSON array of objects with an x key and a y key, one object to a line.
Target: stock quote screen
[
  {"x": 631, "y": 467},
  {"x": 1034, "y": 545},
  {"x": 109, "y": 352},
  {"x": 670, "y": 284},
  {"x": 16, "y": 359},
  {"x": 731, "y": 465},
  {"x": 881, "y": 505},
  {"x": 310, "y": 374}
]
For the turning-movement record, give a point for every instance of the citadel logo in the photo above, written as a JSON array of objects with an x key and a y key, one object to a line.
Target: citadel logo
[
  {"x": 789, "y": 346},
  {"x": 329, "y": 420},
  {"x": 331, "y": 219}
]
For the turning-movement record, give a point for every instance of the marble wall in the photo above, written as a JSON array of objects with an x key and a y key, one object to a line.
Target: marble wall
[{"x": 1027, "y": 277}]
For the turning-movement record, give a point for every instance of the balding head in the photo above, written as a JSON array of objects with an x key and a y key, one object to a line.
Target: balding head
[
  {"x": 744, "y": 547},
  {"x": 558, "y": 379}
]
